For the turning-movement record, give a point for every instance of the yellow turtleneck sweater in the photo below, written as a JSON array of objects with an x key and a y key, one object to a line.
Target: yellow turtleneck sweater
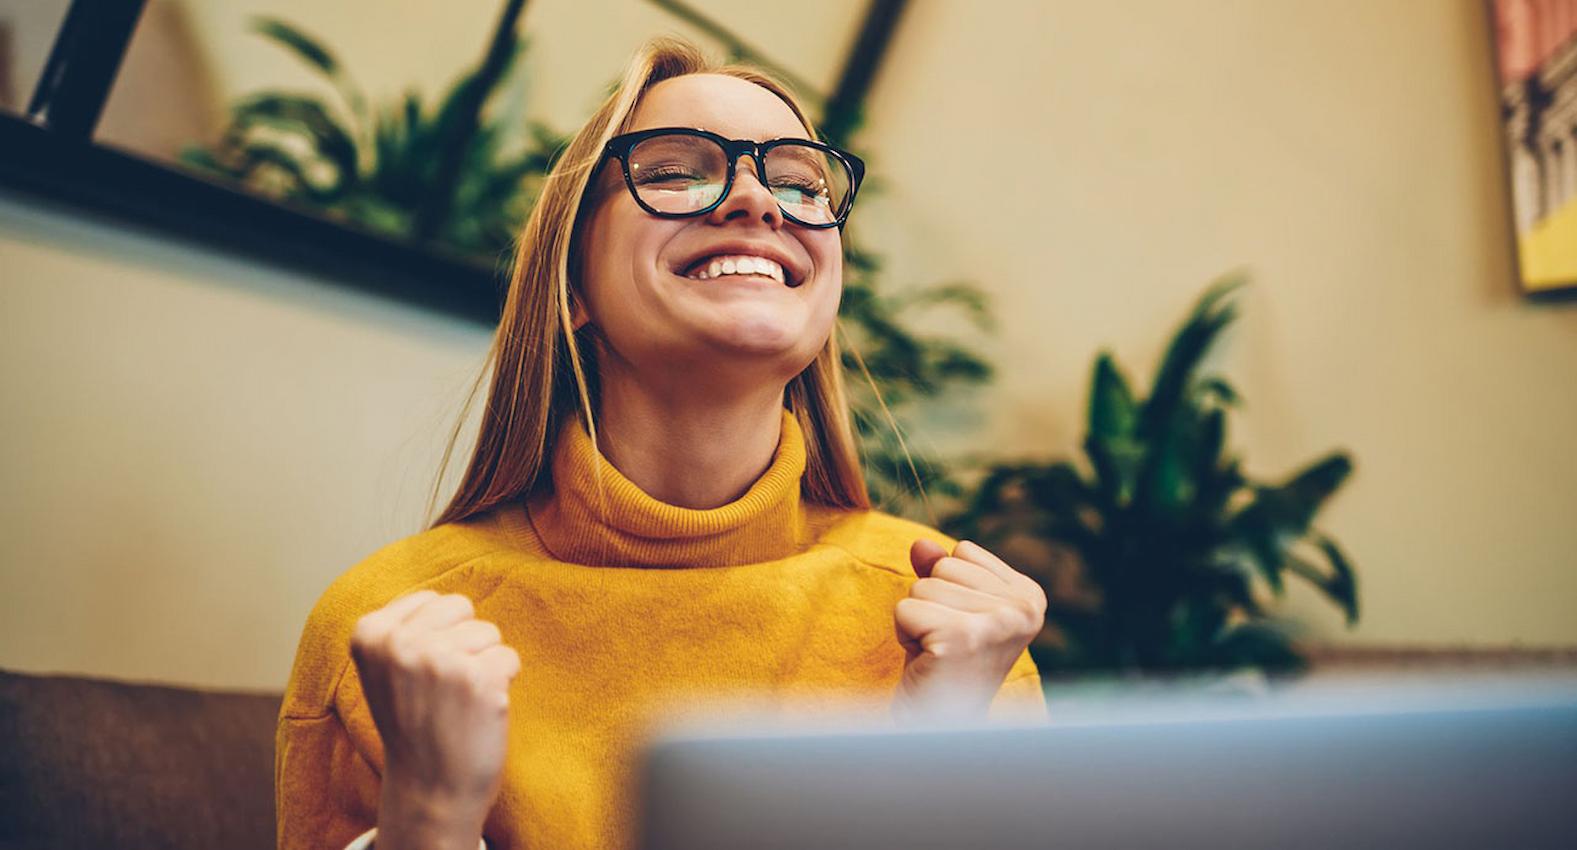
[{"x": 613, "y": 614}]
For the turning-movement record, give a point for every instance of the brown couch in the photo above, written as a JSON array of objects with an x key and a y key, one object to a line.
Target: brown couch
[{"x": 102, "y": 764}]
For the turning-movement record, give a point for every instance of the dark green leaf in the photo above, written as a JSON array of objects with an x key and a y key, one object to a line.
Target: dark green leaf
[
  {"x": 1217, "y": 389},
  {"x": 316, "y": 55},
  {"x": 966, "y": 296},
  {"x": 1303, "y": 495},
  {"x": 1343, "y": 585},
  {"x": 1189, "y": 345},
  {"x": 1256, "y": 528},
  {"x": 1113, "y": 412},
  {"x": 304, "y": 46},
  {"x": 306, "y": 116},
  {"x": 1258, "y": 645}
]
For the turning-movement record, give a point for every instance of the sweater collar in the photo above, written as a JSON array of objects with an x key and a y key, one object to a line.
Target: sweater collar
[{"x": 620, "y": 525}]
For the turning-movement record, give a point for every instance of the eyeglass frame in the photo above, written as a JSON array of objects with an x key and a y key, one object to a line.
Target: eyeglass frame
[{"x": 619, "y": 148}]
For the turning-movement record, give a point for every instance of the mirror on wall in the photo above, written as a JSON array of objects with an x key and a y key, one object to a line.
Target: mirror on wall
[
  {"x": 433, "y": 123},
  {"x": 27, "y": 30}
]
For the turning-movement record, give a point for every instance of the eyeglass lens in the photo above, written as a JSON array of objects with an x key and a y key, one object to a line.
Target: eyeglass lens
[{"x": 682, "y": 174}]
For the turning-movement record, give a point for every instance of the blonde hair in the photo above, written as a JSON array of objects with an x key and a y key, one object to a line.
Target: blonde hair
[{"x": 544, "y": 370}]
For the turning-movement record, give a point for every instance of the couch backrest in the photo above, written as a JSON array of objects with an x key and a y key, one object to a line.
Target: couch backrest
[{"x": 101, "y": 764}]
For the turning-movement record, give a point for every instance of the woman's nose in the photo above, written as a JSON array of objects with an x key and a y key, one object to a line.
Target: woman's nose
[{"x": 748, "y": 198}]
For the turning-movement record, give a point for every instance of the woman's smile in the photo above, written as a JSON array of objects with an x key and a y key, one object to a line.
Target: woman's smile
[
  {"x": 744, "y": 258},
  {"x": 742, "y": 266}
]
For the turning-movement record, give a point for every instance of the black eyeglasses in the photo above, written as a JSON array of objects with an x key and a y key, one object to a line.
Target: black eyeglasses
[{"x": 679, "y": 172}]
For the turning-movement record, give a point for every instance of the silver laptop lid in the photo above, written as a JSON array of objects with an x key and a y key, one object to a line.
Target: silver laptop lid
[{"x": 1488, "y": 766}]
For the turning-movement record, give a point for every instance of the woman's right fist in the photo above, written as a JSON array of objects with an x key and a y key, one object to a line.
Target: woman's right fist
[{"x": 437, "y": 682}]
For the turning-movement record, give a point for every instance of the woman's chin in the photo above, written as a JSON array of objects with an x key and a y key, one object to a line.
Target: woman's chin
[
  {"x": 756, "y": 338},
  {"x": 752, "y": 318}
]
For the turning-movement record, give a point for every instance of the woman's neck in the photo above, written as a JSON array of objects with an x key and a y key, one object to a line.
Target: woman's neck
[{"x": 693, "y": 451}]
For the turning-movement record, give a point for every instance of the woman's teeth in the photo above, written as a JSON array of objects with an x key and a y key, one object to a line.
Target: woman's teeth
[{"x": 740, "y": 265}]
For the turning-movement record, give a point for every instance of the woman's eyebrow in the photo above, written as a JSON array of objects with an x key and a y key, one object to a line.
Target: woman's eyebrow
[{"x": 800, "y": 136}]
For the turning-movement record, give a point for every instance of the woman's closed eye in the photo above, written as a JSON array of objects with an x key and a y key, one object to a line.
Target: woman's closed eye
[
  {"x": 668, "y": 174},
  {"x": 801, "y": 191}
]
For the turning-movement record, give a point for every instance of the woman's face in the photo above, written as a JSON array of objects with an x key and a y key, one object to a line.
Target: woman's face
[{"x": 639, "y": 270}]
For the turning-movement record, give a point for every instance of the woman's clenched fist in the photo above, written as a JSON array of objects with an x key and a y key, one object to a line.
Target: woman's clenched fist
[
  {"x": 437, "y": 682},
  {"x": 963, "y": 625}
]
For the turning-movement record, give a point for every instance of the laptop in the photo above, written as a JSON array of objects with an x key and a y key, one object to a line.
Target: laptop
[{"x": 1484, "y": 764}]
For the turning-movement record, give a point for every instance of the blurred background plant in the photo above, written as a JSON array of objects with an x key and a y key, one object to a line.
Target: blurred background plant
[
  {"x": 445, "y": 175},
  {"x": 908, "y": 368},
  {"x": 442, "y": 176},
  {"x": 1158, "y": 555}
]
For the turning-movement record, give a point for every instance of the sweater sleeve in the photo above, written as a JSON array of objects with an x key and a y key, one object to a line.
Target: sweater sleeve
[
  {"x": 1022, "y": 697},
  {"x": 325, "y": 793}
]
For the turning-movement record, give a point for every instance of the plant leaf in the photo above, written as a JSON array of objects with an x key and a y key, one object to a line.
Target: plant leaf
[
  {"x": 306, "y": 116},
  {"x": 304, "y": 46},
  {"x": 1110, "y": 443},
  {"x": 1256, "y": 529},
  {"x": 966, "y": 296},
  {"x": 1215, "y": 388},
  {"x": 1189, "y": 345},
  {"x": 1113, "y": 412},
  {"x": 1301, "y": 497},
  {"x": 1343, "y": 584},
  {"x": 1165, "y": 416},
  {"x": 1260, "y": 645}
]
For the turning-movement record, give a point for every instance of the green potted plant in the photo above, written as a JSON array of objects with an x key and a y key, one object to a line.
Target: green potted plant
[
  {"x": 1158, "y": 554},
  {"x": 448, "y": 174}
]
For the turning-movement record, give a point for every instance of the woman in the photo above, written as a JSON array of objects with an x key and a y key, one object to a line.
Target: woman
[{"x": 664, "y": 503}]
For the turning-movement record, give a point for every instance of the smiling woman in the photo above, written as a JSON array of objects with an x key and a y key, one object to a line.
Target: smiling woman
[{"x": 664, "y": 504}]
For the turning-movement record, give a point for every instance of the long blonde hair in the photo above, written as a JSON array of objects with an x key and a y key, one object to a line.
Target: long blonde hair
[{"x": 544, "y": 370}]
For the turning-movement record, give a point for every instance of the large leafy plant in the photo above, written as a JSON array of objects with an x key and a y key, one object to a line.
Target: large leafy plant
[
  {"x": 446, "y": 174},
  {"x": 1160, "y": 554}
]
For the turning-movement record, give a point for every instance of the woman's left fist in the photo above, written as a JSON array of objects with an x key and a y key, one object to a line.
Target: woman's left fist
[{"x": 965, "y": 622}]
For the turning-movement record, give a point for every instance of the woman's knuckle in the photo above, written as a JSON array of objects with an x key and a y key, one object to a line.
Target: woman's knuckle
[
  {"x": 451, "y": 661},
  {"x": 371, "y": 629},
  {"x": 473, "y": 677},
  {"x": 422, "y": 659},
  {"x": 973, "y": 634},
  {"x": 1003, "y": 622},
  {"x": 399, "y": 650},
  {"x": 490, "y": 631},
  {"x": 946, "y": 568}
]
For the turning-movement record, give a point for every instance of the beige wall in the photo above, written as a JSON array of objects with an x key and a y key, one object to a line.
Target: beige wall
[
  {"x": 1346, "y": 153},
  {"x": 196, "y": 444}
]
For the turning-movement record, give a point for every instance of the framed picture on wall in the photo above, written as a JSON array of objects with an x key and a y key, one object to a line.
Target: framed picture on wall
[{"x": 1536, "y": 48}]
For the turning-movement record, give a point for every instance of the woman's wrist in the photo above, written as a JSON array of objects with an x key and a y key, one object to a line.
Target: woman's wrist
[{"x": 411, "y": 816}]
